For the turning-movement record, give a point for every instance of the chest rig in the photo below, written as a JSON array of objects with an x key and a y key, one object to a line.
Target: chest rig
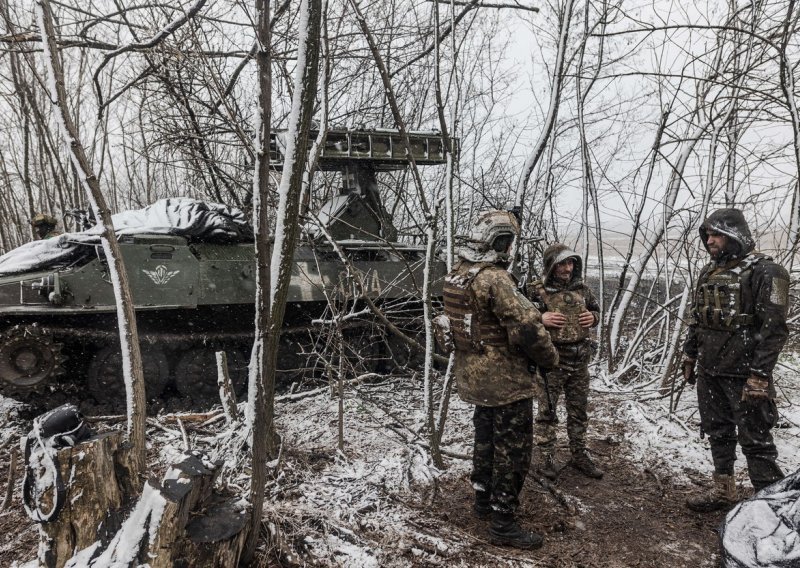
[
  {"x": 718, "y": 302},
  {"x": 570, "y": 303},
  {"x": 472, "y": 325}
]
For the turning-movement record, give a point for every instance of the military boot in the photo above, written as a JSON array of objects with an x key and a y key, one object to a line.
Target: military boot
[
  {"x": 504, "y": 531},
  {"x": 482, "y": 506},
  {"x": 722, "y": 495},
  {"x": 583, "y": 463},
  {"x": 547, "y": 467}
]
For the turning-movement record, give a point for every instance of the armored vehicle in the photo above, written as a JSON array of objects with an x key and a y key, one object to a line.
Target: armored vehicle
[{"x": 191, "y": 270}]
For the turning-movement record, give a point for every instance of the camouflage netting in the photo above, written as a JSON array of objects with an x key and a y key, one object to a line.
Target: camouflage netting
[{"x": 762, "y": 532}]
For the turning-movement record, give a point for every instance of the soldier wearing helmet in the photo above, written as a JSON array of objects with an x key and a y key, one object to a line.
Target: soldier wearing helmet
[
  {"x": 496, "y": 333},
  {"x": 569, "y": 309},
  {"x": 737, "y": 330},
  {"x": 44, "y": 226}
]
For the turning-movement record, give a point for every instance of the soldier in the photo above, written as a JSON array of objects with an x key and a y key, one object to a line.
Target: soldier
[
  {"x": 496, "y": 331},
  {"x": 737, "y": 331},
  {"x": 568, "y": 309},
  {"x": 44, "y": 226}
]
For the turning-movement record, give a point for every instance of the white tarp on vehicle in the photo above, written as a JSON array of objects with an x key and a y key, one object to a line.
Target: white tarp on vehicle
[
  {"x": 762, "y": 532},
  {"x": 198, "y": 221}
]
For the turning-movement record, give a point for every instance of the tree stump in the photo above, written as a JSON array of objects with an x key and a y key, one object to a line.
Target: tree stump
[
  {"x": 198, "y": 527},
  {"x": 177, "y": 522},
  {"x": 96, "y": 474}
]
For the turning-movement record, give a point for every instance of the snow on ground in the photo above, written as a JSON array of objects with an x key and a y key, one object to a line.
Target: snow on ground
[
  {"x": 671, "y": 442},
  {"x": 374, "y": 504},
  {"x": 381, "y": 481}
]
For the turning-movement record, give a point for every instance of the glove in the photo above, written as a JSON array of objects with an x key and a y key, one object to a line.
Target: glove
[
  {"x": 443, "y": 334},
  {"x": 688, "y": 372},
  {"x": 756, "y": 389}
]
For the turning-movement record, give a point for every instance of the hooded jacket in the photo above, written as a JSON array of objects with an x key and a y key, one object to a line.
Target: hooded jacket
[
  {"x": 731, "y": 223},
  {"x": 546, "y": 293},
  {"x": 753, "y": 333}
]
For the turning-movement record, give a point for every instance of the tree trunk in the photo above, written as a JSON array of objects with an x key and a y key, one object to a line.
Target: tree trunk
[
  {"x": 98, "y": 474},
  {"x": 258, "y": 416},
  {"x": 286, "y": 230},
  {"x": 129, "y": 339}
]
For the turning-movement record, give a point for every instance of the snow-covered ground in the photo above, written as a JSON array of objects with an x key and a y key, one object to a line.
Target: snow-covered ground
[
  {"x": 672, "y": 441},
  {"x": 380, "y": 502}
]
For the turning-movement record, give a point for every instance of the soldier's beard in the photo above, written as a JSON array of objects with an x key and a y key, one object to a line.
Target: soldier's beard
[{"x": 563, "y": 278}]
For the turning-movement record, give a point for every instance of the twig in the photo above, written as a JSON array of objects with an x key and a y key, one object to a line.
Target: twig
[
  {"x": 658, "y": 481},
  {"x": 324, "y": 390},
  {"x": 10, "y": 484},
  {"x": 558, "y": 495},
  {"x": 226, "y": 394},
  {"x": 196, "y": 417},
  {"x": 680, "y": 422},
  {"x": 108, "y": 418},
  {"x": 515, "y": 5},
  {"x": 148, "y": 44},
  {"x": 184, "y": 436}
]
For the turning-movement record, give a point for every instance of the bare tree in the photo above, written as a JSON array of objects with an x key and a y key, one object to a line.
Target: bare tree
[
  {"x": 273, "y": 306},
  {"x": 129, "y": 339}
]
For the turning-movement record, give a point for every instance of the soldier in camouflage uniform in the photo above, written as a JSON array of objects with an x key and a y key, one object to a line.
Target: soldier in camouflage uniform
[
  {"x": 496, "y": 331},
  {"x": 569, "y": 310},
  {"x": 44, "y": 226},
  {"x": 737, "y": 331}
]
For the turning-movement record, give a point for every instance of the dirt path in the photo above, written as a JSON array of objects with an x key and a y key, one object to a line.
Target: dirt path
[{"x": 628, "y": 519}]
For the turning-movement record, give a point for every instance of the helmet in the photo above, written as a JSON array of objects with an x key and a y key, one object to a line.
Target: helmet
[
  {"x": 492, "y": 224},
  {"x": 43, "y": 219}
]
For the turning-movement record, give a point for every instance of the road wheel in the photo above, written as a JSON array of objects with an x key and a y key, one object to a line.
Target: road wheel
[
  {"x": 106, "y": 382},
  {"x": 196, "y": 374}
]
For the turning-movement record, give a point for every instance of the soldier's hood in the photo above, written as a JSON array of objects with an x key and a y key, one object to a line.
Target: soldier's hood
[
  {"x": 731, "y": 223},
  {"x": 556, "y": 253},
  {"x": 470, "y": 254}
]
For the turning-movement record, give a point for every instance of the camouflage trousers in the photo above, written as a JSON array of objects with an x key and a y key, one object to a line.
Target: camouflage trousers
[
  {"x": 727, "y": 420},
  {"x": 502, "y": 453},
  {"x": 570, "y": 377}
]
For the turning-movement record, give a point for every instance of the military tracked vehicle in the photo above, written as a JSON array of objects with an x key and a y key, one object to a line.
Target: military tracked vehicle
[{"x": 194, "y": 296}]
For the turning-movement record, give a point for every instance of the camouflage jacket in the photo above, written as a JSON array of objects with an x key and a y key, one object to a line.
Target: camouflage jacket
[
  {"x": 496, "y": 373},
  {"x": 570, "y": 298}
]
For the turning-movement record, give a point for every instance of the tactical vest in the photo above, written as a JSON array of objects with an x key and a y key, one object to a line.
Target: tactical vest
[
  {"x": 718, "y": 299},
  {"x": 473, "y": 327},
  {"x": 570, "y": 303}
]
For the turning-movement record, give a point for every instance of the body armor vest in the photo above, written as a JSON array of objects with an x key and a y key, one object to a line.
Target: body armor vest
[
  {"x": 718, "y": 299},
  {"x": 472, "y": 326},
  {"x": 570, "y": 303}
]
